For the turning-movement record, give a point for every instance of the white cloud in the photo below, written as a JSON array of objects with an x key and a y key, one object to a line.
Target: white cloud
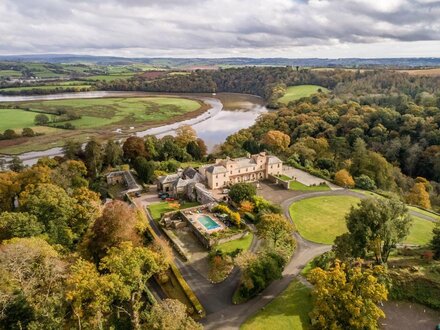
[{"x": 213, "y": 28}]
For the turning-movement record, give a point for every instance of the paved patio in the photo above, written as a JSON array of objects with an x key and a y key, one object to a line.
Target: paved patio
[{"x": 306, "y": 178}]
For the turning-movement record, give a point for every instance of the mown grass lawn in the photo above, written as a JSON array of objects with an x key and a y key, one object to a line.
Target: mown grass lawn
[
  {"x": 420, "y": 232},
  {"x": 295, "y": 185},
  {"x": 243, "y": 243},
  {"x": 287, "y": 311},
  {"x": 296, "y": 92},
  {"x": 321, "y": 219},
  {"x": 156, "y": 209}
]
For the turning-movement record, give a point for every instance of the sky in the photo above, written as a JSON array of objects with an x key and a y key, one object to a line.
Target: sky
[{"x": 222, "y": 28}]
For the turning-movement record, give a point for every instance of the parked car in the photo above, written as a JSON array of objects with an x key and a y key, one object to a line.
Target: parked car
[
  {"x": 138, "y": 194},
  {"x": 170, "y": 199},
  {"x": 163, "y": 195},
  {"x": 225, "y": 191}
]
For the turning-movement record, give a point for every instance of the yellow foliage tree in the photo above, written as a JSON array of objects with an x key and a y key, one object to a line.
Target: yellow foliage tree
[
  {"x": 246, "y": 206},
  {"x": 419, "y": 196},
  {"x": 277, "y": 141},
  {"x": 347, "y": 298},
  {"x": 184, "y": 135},
  {"x": 344, "y": 179}
]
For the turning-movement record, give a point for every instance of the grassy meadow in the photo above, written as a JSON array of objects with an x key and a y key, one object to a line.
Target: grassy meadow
[
  {"x": 289, "y": 310},
  {"x": 296, "y": 92},
  {"x": 16, "y": 119}
]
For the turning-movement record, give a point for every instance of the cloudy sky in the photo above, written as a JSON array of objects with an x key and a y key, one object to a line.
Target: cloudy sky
[{"x": 222, "y": 28}]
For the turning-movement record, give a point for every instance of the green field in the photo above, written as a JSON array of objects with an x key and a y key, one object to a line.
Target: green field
[
  {"x": 420, "y": 232},
  {"x": 243, "y": 243},
  {"x": 105, "y": 111},
  {"x": 321, "y": 219},
  {"x": 44, "y": 87},
  {"x": 110, "y": 77},
  {"x": 296, "y": 92},
  {"x": 15, "y": 119},
  {"x": 289, "y": 310},
  {"x": 10, "y": 73},
  {"x": 295, "y": 185}
]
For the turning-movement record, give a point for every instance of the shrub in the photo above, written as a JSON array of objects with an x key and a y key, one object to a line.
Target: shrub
[
  {"x": 365, "y": 182},
  {"x": 233, "y": 216}
]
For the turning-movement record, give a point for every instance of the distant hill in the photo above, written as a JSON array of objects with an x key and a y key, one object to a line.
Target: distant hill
[{"x": 233, "y": 61}]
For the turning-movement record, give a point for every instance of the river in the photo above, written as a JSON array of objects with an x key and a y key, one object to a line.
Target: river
[{"x": 228, "y": 114}]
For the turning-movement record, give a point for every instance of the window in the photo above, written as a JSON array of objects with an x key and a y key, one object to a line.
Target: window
[
  {"x": 238, "y": 171},
  {"x": 279, "y": 165},
  {"x": 216, "y": 184},
  {"x": 216, "y": 176},
  {"x": 224, "y": 175},
  {"x": 271, "y": 166},
  {"x": 231, "y": 172},
  {"x": 254, "y": 168}
]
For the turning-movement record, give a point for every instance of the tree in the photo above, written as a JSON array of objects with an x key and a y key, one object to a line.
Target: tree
[
  {"x": 184, "y": 135},
  {"x": 435, "y": 242},
  {"x": 87, "y": 209},
  {"x": 133, "y": 266},
  {"x": 242, "y": 191},
  {"x": 17, "y": 224},
  {"x": 16, "y": 164},
  {"x": 41, "y": 119},
  {"x": 419, "y": 196},
  {"x": 276, "y": 141},
  {"x": 365, "y": 182},
  {"x": 197, "y": 149},
  {"x": 93, "y": 157},
  {"x": 347, "y": 297},
  {"x": 9, "y": 188},
  {"x": 28, "y": 132},
  {"x": 90, "y": 294},
  {"x": 246, "y": 206},
  {"x": 144, "y": 169},
  {"x": 134, "y": 147},
  {"x": 70, "y": 175},
  {"x": 31, "y": 283},
  {"x": 72, "y": 150},
  {"x": 170, "y": 314},
  {"x": 377, "y": 225},
  {"x": 112, "y": 154},
  {"x": 116, "y": 224},
  {"x": 344, "y": 179},
  {"x": 9, "y": 134},
  {"x": 274, "y": 228},
  {"x": 53, "y": 208}
]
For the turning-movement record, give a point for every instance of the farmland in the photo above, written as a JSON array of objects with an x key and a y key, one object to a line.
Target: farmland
[
  {"x": 92, "y": 115},
  {"x": 296, "y": 92}
]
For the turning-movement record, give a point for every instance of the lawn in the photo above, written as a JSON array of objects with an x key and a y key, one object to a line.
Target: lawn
[
  {"x": 16, "y": 119},
  {"x": 321, "y": 219},
  {"x": 295, "y": 185},
  {"x": 420, "y": 232},
  {"x": 10, "y": 73},
  {"x": 296, "y": 92},
  {"x": 156, "y": 209},
  {"x": 243, "y": 243},
  {"x": 105, "y": 111},
  {"x": 287, "y": 311}
]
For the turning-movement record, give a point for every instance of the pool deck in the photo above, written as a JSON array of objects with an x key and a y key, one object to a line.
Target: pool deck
[{"x": 194, "y": 216}]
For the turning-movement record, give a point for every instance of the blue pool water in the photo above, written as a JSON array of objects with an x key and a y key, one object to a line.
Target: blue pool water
[{"x": 207, "y": 222}]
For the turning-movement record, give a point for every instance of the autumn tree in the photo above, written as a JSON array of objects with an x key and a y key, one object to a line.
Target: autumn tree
[
  {"x": 9, "y": 188},
  {"x": 419, "y": 196},
  {"x": 31, "y": 285},
  {"x": 91, "y": 294},
  {"x": 377, "y": 225},
  {"x": 274, "y": 228},
  {"x": 116, "y": 224},
  {"x": 54, "y": 208},
  {"x": 170, "y": 314},
  {"x": 276, "y": 141},
  {"x": 184, "y": 135},
  {"x": 347, "y": 297},
  {"x": 134, "y": 147},
  {"x": 16, "y": 164},
  {"x": 133, "y": 266},
  {"x": 197, "y": 149},
  {"x": 17, "y": 224},
  {"x": 70, "y": 175},
  {"x": 246, "y": 206},
  {"x": 344, "y": 179}
]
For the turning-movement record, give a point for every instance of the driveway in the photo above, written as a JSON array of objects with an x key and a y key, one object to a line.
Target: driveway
[{"x": 307, "y": 178}]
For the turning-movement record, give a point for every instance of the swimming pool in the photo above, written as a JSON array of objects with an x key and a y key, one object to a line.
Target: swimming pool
[{"x": 208, "y": 222}]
